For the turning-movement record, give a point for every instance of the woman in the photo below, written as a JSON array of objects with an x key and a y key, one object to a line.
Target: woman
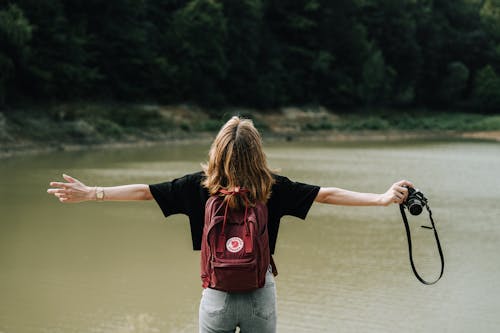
[{"x": 236, "y": 159}]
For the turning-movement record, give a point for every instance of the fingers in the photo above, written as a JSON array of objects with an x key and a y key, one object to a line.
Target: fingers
[
  {"x": 70, "y": 179},
  {"x": 63, "y": 191},
  {"x": 396, "y": 196},
  {"x": 55, "y": 191},
  {"x": 71, "y": 182},
  {"x": 404, "y": 183},
  {"x": 400, "y": 191},
  {"x": 64, "y": 195},
  {"x": 58, "y": 184},
  {"x": 66, "y": 200}
]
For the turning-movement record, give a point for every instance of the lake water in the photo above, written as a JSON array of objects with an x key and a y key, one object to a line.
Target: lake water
[{"x": 121, "y": 267}]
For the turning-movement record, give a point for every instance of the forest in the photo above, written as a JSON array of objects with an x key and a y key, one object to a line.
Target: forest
[{"x": 343, "y": 54}]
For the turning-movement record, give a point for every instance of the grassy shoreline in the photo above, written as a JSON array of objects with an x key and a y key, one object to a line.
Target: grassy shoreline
[{"x": 81, "y": 126}]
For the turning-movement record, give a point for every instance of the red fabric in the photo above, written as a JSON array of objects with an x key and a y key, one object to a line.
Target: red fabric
[{"x": 235, "y": 253}]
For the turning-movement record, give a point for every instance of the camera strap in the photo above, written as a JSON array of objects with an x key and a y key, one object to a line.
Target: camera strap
[{"x": 408, "y": 236}]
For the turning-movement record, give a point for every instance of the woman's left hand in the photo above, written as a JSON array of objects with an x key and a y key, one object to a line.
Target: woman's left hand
[
  {"x": 72, "y": 191},
  {"x": 397, "y": 193}
]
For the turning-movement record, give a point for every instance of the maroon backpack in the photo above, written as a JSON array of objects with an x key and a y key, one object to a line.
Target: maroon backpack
[{"x": 235, "y": 253}]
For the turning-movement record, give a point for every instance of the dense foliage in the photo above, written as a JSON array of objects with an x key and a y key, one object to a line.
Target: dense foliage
[{"x": 258, "y": 53}]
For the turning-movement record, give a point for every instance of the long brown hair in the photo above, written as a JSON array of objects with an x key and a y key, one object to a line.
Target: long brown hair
[{"x": 236, "y": 158}]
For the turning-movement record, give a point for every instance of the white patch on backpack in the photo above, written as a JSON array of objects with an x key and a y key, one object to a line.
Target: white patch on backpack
[{"x": 234, "y": 244}]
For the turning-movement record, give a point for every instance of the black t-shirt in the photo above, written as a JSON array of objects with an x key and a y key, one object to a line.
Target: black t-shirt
[{"x": 187, "y": 196}]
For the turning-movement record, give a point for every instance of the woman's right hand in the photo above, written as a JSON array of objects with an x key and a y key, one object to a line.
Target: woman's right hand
[
  {"x": 397, "y": 193},
  {"x": 72, "y": 191}
]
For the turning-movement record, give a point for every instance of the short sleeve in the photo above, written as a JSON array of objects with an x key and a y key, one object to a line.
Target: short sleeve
[
  {"x": 184, "y": 195},
  {"x": 293, "y": 198},
  {"x": 174, "y": 197}
]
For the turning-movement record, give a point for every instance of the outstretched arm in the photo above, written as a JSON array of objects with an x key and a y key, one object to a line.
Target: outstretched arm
[
  {"x": 75, "y": 191},
  {"x": 397, "y": 193}
]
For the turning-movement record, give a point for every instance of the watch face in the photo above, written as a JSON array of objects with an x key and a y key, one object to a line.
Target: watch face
[{"x": 100, "y": 194}]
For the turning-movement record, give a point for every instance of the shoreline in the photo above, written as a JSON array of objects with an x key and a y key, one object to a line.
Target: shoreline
[
  {"x": 31, "y": 148},
  {"x": 83, "y": 126}
]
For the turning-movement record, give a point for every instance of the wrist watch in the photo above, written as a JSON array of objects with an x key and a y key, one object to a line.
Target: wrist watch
[{"x": 99, "y": 193}]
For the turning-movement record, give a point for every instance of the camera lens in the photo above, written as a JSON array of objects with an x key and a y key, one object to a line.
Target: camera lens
[{"x": 415, "y": 207}]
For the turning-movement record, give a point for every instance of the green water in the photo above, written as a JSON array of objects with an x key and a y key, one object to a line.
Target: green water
[{"x": 121, "y": 267}]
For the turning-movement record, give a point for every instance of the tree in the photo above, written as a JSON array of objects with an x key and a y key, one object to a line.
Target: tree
[
  {"x": 487, "y": 90},
  {"x": 377, "y": 79},
  {"x": 260, "y": 53},
  {"x": 119, "y": 46},
  {"x": 315, "y": 51},
  {"x": 15, "y": 34},
  {"x": 490, "y": 17},
  {"x": 163, "y": 66},
  {"x": 58, "y": 65},
  {"x": 391, "y": 24},
  {"x": 200, "y": 35},
  {"x": 244, "y": 26},
  {"x": 454, "y": 83}
]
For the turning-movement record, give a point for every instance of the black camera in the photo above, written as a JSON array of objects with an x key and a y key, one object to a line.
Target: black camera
[{"x": 415, "y": 202}]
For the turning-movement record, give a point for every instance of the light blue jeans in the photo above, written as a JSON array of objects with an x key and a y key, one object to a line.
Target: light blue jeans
[{"x": 253, "y": 312}]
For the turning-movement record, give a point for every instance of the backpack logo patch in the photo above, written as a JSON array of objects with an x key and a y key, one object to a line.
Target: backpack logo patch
[{"x": 234, "y": 244}]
